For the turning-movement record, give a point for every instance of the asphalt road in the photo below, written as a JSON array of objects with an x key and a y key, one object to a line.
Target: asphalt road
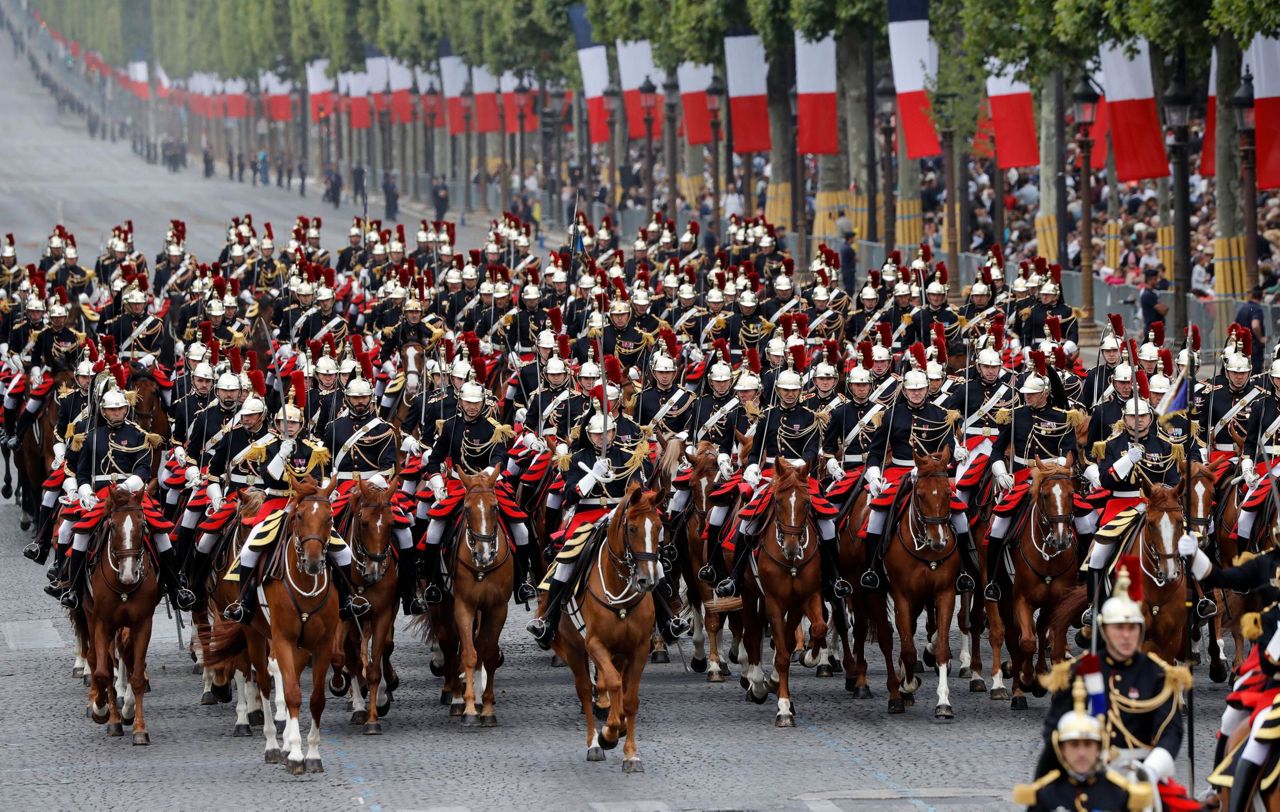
[{"x": 703, "y": 746}]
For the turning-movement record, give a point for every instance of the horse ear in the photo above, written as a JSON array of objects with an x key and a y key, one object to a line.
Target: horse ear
[
  {"x": 326, "y": 492},
  {"x": 1071, "y": 460},
  {"x": 781, "y": 464},
  {"x": 1039, "y": 464},
  {"x": 946, "y": 454},
  {"x": 493, "y": 476},
  {"x": 394, "y": 484},
  {"x": 466, "y": 479}
]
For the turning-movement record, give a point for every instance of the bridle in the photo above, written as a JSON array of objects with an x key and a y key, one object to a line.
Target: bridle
[
  {"x": 918, "y": 521},
  {"x": 624, "y": 568},
  {"x": 116, "y": 558},
  {"x": 320, "y": 581},
  {"x": 1154, "y": 561},
  {"x": 1199, "y": 525},
  {"x": 474, "y": 540},
  {"x": 1043, "y": 521},
  {"x": 360, "y": 554},
  {"x": 782, "y": 531}
]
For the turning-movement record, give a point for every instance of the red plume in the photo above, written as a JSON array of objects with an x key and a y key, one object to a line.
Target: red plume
[
  {"x": 986, "y": 275},
  {"x": 940, "y": 272},
  {"x": 1054, "y": 325},
  {"x": 366, "y": 367},
  {"x": 258, "y": 382},
  {"x": 1195, "y": 338},
  {"x": 621, "y": 287},
  {"x": 1246, "y": 343},
  {"x": 122, "y": 377},
  {"x": 61, "y": 293},
  {"x": 556, "y": 317},
  {"x": 332, "y": 343},
  {"x": 93, "y": 350},
  {"x": 668, "y": 337},
  {"x": 109, "y": 344},
  {"x": 802, "y": 324},
  {"x": 751, "y": 357},
  {"x": 831, "y": 349},
  {"x": 1133, "y": 566},
  {"x": 315, "y": 348},
  {"x": 823, "y": 278},
  {"x": 799, "y": 359},
  {"x": 449, "y": 350},
  {"x": 235, "y": 286},
  {"x": 1059, "y": 357},
  {"x": 873, "y": 279},
  {"x": 864, "y": 349},
  {"x": 220, "y": 286},
  {"x": 997, "y": 251},
  {"x": 298, "y": 383},
  {"x": 722, "y": 344},
  {"x": 886, "y": 334},
  {"x": 1166, "y": 362},
  {"x": 215, "y": 354},
  {"x": 926, "y": 252},
  {"x": 1055, "y": 271},
  {"x": 1039, "y": 363},
  {"x": 237, "y": 361},
  {"x": 789, "y": 266},
  {"x": 562, "y": 345},
  {"x": 613, "y": 370},
  {"x": 1133, "y": 352},
  {"x": 1144, "y": 385},
  {"x": 788, "y": 324},
  {"x": 940, "y": 350},
  {"x": 255, "y": 361},
  {"x": 939, "y": 332},
  {"x": 997, "y": 335},
  {"x": 917, "y": 355},
  {"x": 473, "y": 346},
  {"x": 1117, "y": 324},
  {"x": 1041, "y": 264},
  {"x": 1157, "y": 333},
  {"x": 328, "y": 278}
]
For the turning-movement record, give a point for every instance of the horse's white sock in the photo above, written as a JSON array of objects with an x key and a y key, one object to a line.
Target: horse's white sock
[
  {"x": 1100, "y": 555},
  {"x": 404, "y": 539}
]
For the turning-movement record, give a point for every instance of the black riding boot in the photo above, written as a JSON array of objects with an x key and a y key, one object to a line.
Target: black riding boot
[
  {"x": 38, "y": 549},
  {"x": 198, "y": 566},
  {"x": 184, "y": 541},
  {"x": 871, "y": 578},
  {"x": 172, "y": 582},
  {"x": 524, "y": 591},
  {"x": 1246, "y": 776},
  {"x": 1086, "y": 620},
  {"x": 995, "y": 566},
  {"x": 670, "y": 625},
  {"x": 543, "y": 627},
  {"x": 350, "y": 606},
  {"x": 971, "y": 571},
  {"x": 243, "y": 610},
  {"x": 407, "y": 582},
  {"x": 25, "y": 421},
  {"x": 1220, "y": 748},
  {"x": 74, "y": 584},
  {"x": 743, "y": 547},
  {"x": 713, "y": 572},
  {"x": 10, "y": 424},
  {"x": 829, "y": 561},
  {"x": 429, "y": 564}
]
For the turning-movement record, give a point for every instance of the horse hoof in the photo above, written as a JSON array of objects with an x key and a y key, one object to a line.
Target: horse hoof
[
  {"x": 25, "y": 524},
  {"x": 1195, "y": 658},
  {"x": 115, "y": 729},
  {"x": 208, "y": 698},
  {"x": 338, "y": 684},
  {"x": 1006, "y": 668},
  {"x": 863, "y": 693},
  {"x": 698, "y": 665},
  {"x": 660, "y": 656},
  {"x": 279, "y": 727},
  {"x": 595, "y": 754},
  {"x": 141, "y": 739},
  {"x": 601, "y": 714},
  {"x": 1038, "y": 690},
  {"x": 373, "y": 729},
  {"x": 445, "y": 697},
  {"x": 742, "y": 680},
  {"x": 222, "y": 694},
  {"x": 502, "y": 660},
  {"x": 489, "y": 721},
  {"x": 977, "y": 685},
  {"x": 456, "y": 709},
  {"x": 127, "y": 721},
  {"x": 298, "y": 767},
  {"x": 1019, "y": 703},
  {"x": 1218, "y": 671},
  {"x": 257, "y": 717},
  {"x": 927, "y": 658},
  {"x": 241, "y": 731},
  {"x": 97, "y": 720},
  {"x": 797, "y": 656},
  {"x": 733, "y": 655},
  {"x": 897, "y": 706},
  {"x": 393, "y": 681},
  {"x": 836, "y": 666},
  {"x": 197, "y": 669},
  {"x": 999, "y": 694},
  {"x": 632, "y": 765},
  {"x": 384, "y": 709},
  {"x": 7, "y": 492},
  {"x": 909, "y": 699},
  {"x": 557, "y": 661},
  {"x": 759, "y": 700},
  {"x": 359, "y": 717},
  {"x": 606, "y": 742},
  {"x": 943, "y": 712},
  {"x": 77, "y": 672},
  {"x": 85, "y": 679},
  {"x": 436, "y": 670},
  {"x": 313, "y": 765},
  {"x": 784, "y": 720},
  {"x": 271, "y": 756},
  {"x": 964, "y": 673},
  {"x": 470, "y": 720},
  {"x": 824, "y": 671},
  {"x": 715, "y": 676}
]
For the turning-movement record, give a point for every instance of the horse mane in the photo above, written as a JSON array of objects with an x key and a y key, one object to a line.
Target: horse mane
[
  {"x": 1047, "y": 469},
  {"x": 704, "y": 459},
  {"x": 1164, "y": 498},
  {"x": 306, "y": 486},
  {"x": 640, "y": 500},
  {"x": 251, "y": 500},
  {"x": 788, "y": 477},
  {"x": 668, "y": 463}
]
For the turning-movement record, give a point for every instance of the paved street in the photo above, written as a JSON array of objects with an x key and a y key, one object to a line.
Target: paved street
[{"x": 702, "y": 745}]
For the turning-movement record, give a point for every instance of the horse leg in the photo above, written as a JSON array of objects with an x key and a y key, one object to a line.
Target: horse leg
[
  {"x": 571, "y": 650},
  {"x": 902, "y": 616},
  {"x": 277, "y": 676},
  {"x": 713, "y": 622},
  {"x": 942, "y": 652},
  {"x": 855, "y": 655},
  {"x": 634, "y": 667},
  {"x": 611, "y": 681},
  {"x": 139, "y": 639},
  {"x": 817, "y": 654},
  {"x": 784, "y": 626},
  {"x": 104, "y": 709},
  {"x": 996, "y": 638},
  {"x": 121, "y": 684},
  {"x": 266, "y": 679},
  {"x": 464, "y": 618},
  {"x": 242, "y": 706},
  {"x": 698, "y": 663},
  {"x": 884, "y": 635},
  {"x": 293, "y": 661},
  {"x": 374, "y": 670},
  {"x": 388, "y": 646},
  {"x": 319, "y": 668},
  {"x": 753, "y": 641},
  {"x": 491, "y": 623}
]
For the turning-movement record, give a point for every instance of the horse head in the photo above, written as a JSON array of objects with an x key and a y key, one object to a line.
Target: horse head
[
  {"x": 1202, "y": 495},
  {"x": 371, "y": 533},
  {"x": 413, "y": 359},
  {"x": 641, "y": 535},
  {"x": 1160, "y": 533},
  {"x": 312, "y": 524},
  {"x": 126, "y": 542},
  {"x": 702, "y": 476},
  {"x": 480, "y": 509},
  {"x": 790, "y": 508},
  {"x": 931, "y": 499},
  {"x": 1054, "y": 490}
]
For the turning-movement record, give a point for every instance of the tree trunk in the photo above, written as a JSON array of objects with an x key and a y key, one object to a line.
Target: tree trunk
[
  {"x": 782, "y": 155},
  {"x": 908, "y": 229},
  {"x": 1226, "y": 157},
  {"x": 1049, "y": 147}
]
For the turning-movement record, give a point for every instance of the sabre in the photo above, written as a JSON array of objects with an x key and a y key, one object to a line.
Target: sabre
[{"x": 1191, "y": 582}]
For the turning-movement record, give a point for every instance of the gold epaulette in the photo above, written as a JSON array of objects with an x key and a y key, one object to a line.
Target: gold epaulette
[
  {"x": 319, "y": 455},
  {"x": 258, "y": 451},
  {"x": 906, "y": 318},
  {"x": 1139, "y": 792},
  {"x": 1117, "y": 428},
  {"x": 1177, "y": 676},
  {"x": 574, "y": 434},
  {"x": 238, "y": 339},
  {"x": 1077, "y": 313},
  {"x": 1177, "y": 452},
  {"x": 1024, "y": 313},
  {"x": 387, "y": 332},
  {"x": 1003, "y": 416},
  {"x": 719, "y": 323},
  {"x": 766, "y": 326},
  {"x": 131, "y": 397},
  {"x": 594, "y": 332},
  {"x": 153, "y": 440},
  {"x": 1059, "y": 678},
  {"x": 1251, "y": 625},
  {"x": 962, "y": 321},
  {"x": 4, "y": 305},
  {"x": 563, "y": 461},
  {"x": 501, "y": 431},
  {"x": 1099, "y": 450},
  {"x": 1077, "y": 418},
  {"x": 954, "y": 417},
  {"x": 80, "y": 338},
  {"x": 1243, "y": 558},
  {"x": 639, "y": 454},
  {"x": 822, "y": 418},
  {"x": 75, "y": 442},
  {"x": 1025, "y": 794},
  {"x": 439, "y": 425},
  {"x": 63, "y": 391}
]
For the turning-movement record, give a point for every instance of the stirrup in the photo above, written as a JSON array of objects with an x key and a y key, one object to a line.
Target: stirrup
[
  {"x": 70, "y": 599},
  {"x": 707, "y": 574},
  {"x": 32, "y": 552},
  {"x": 433, "y": 594},
  {"x": 992, "y": 592},
  {"x": 355, "y": 607},
  {"x": 964, "y": 583},
  {"x": 541, "y": 631},
  {"x": 1206, "y": 608},
  {"x": 870, "y": 580},
  {"x": 1086, "y": 619},
  {"x": 842, "y": 588},
  {"x": 727, "y": 588},
  {"x": 235, "y": 612},
  {"x": 676, "y": 627},
  {"x": 525, "y": 592},
  {"x": 183, "y": 599}
]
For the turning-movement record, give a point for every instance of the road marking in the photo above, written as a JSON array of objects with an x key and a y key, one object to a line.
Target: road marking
[
  {"x": 20, "y": 635},
  {"x": 630, "y": 806}
]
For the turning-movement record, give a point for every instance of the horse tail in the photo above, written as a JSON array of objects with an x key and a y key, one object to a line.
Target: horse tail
[
  {"x": 1070, "y": 608},
  {"x": 226, "y": 642},
  {"x": 423, "y": 627},
  {"x": 668, "y": 463}
]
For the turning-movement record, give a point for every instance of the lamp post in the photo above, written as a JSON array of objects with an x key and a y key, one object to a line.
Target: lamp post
[
  {"x": 886, "y": 103},
  {"x": 648, "y": 102},
  {"x": 797, "y": 183},
  {"x": 522, "y": 101},
  {"x": 553, "y": 113},
  {"x": 431, "y": 129},
  {"x": 1242, "y": 104},
  {"x": 670, "y": 94},
  {"x": 1177, "y": 112},
  {"x": 944, "y": 108},
  {"x": 1085, "y": 106},
  {"x": 611, "y": 94},
  {"x": 715, "y": 98},
  {"x": 468, "y": 98}
]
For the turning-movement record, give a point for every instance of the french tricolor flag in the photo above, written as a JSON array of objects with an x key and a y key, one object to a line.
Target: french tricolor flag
[
  {"x": 593, "y": 61},
  {"x": 915, "y": 61},
  {"x": 1013, "y": 120},
  {"x": 357, "y": 86},
  {"x": 1263, "y": 59},
  {"x": 1137, "y": 141},
  {"x": 508, "y": 83},
  {"x": 1208, "y": 164},
  {"x": 432, "y": 102},
  {"x": 400, "y": 80},
  {"x": 818, "y": 122},
  {"x": 694, "y": 79},
  {"x": 635, "y": 62},
  {"x": 485, "y": 86},
  {"x": 278, "y": 96},
  {"x": 235, "y": 94},
  {"x": 453, "y": 79},
  {"x": 319, "y": 89},
  {"x": 747, "y": 71}
]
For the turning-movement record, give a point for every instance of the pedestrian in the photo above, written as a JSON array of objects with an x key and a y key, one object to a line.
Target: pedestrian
[
  {"x": 1252, "y": 317},
  {"x": 1153, "y": 309},
  {"x": 240, "y": 165},
  {"x": 279, "y": 172},
  {"x": 848, "y": 260},
  {"x": 302, "y": 178},
  {"x": 231, "y": 164},
  {"x": 358, "y": 192},
  {"x": 391, "y": 197},
  {"x": 440, "y": 197},
  {"x": 337, "y": 189}
]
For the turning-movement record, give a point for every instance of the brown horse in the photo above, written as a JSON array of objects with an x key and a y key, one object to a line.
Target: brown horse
[
  {"x": 785, "y": 589},
  {"x": 482, "y": 567},
  {"x": 707, "y": 622},
  {"x": 1271, "y": 799},
  {"x": 413, "y": 364},
  {"x": 616, "y": 606},
  {"x": 119, "y": 604},
  {"x": 922, "y": 567},
  {"x": 1164, "y": 577},
  {"x": 1042, "y": 548},
  {"x": 36, "y": 450},
  {"x": 1231, "y": 605},
  {"x": 365, "y": 647},
  {"x": 148, "y": 409},
  {"x": 303, "y": 608}
]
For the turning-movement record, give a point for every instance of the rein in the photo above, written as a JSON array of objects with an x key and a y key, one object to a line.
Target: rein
[
  {"x": 916, "y": 518},
  {"x": 624, "y": 568},
  {"x": 114, "y": 559},
  {"x": 471, "y": 537},
  {"x": 360, "y": 554},
  {"x": 1041, "y": 521},
  {"x": 320, "y": 583}
]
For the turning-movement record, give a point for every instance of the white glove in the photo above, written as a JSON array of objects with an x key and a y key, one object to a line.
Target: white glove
[
  {"x": 561, "y": 449},
  {"x": 875, "y": 482},
  {"x": 521, "y": 414},
  {"x": 214, "y": 492},
  {"x": 536, "y": 443},
  {"x": 378, "y": 481},
  {"x": 1204, "y": 455},
  {"x": 410, "y": 444},
  {"x": 133, "y": 484},
  {"x": 1091, "y": 473},
  {"x": 1004, "y": 479},
  {"x": 696, "y": 356},
  {"x": 835, "y": 469},
  {"x": 1247, "y": 471},
  {"x": 1187, "y": 545},
  {"x": 601, "y": 469},
  {"x": 147, "y": 361},
  {"x": 180, "y": 455},
  {"x": 437, "y": 487},
  {"x": 287, "y": 446},
  {"x": 192, "y": 474},
  {"x": 1135, "y": 453},
  {"x": 682, "y": 436},
  {"x": 69, "y": 486},
  {"x": 962, "y": 452},
  {"x": 59, "y": 456},
  {"x": 752, "y": 475},
  {"x": 1070, "y": 347},
  {"x": 1160, "y": 764},
  {"x": 726, "y": 467},
  {"x": 87, "y": 497}
]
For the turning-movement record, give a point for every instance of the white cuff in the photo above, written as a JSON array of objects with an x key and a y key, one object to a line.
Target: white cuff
[
  {"x": 1160, "y": 764},
  {"x": 86, "y": 491},
  {"x": 436, "y": 482},
  {"x": 133, "y": 484},
  {"x": 60, "y": 450},
  {"x": 1200, "y": 565},
  {"x": 586, "y": 484},
  {"x": 214, "y": 492},
  {"x": 1122, "y": 467},
  {"x": 999, "y": 468}
]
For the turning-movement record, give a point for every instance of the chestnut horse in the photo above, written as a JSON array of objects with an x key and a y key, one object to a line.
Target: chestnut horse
[
  {"x": 707, "y": 622},
  {"x": 365, "y": 647},
  {"x": 413, "y": 364},
  {"x": 1231, "y": 605},
  {"x": 1164, "y": 578},
  {"x": 1042, "y": 548},
  {"x": 1271, "y": 799},
  {"x": 468, "y": 624},
  {"x": 616, "y": 606},
  {"x": 785, "y": 588},
  {"x": 120, "y": 601},
  {"x": 922, "y": 565}
]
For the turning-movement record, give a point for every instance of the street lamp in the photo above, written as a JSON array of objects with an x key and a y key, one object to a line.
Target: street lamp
[
  {"x": 1085, "y": 106},
  {"x": 648, "y": 102},
  {"x": 886, "y": 102},
  {"x": 522, "y": 101},
  {"x": 433, "y": 99},
  {"x": 797, "y": 182},
  {"x": 1242, "y": 104},
  {"x": 715, "y": 98},
  {"x": 468, "y": 98},
  {"x": 1177, "y": 113},
  {"x": 671, "y": 94},
  {"x": 611, "y": 94},
  {"x": 945, "y": 109},
  {"x": 553, "y": 112}
]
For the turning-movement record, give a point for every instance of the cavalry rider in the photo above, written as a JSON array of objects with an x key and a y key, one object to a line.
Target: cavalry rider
[
  {"x": 1097, "y": 385},
  {"x": 53, "y": 348},
  {"x": 280, "y": 459},
  {"x": 427, "y": 412},
  {"x": 324, "y": 401},
  {"x": 1082, "y": 781},
  {"x": 1261, "y": 447},
  {"x": 1226, "y": 412},
  {"x": 1143, "y": 693},
  {"x": 555, "y": 413},
  {"x": 118, "y": 454},
  {"x": 665, "y": 408},
  {"x": 472, "y": 442},
  {"x": 848, "y": 438},
  {"x": 1133, "y": 455},
  {"x": 621, "y": 336},
  {"x": 825, "y": 397},
  {"x": 980, "y": 401},
  {"x": 411, "y": 330},
  {"x": 364, "y": 446},
  {"x": 789, "y": 430},
  {"x": 211, "y": 425},
  {"x": 18, "y": 350},
  {"x": 1110, "y": 409},
  {"x": 528, "y": 377},
  {"x": 714, "y": 420},
  {"x": 1041, "y": 429},
  {"x": 138, "y": 334},
  {"x": 73, "y": 408},
  {"x": 914, "y": 424}
]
